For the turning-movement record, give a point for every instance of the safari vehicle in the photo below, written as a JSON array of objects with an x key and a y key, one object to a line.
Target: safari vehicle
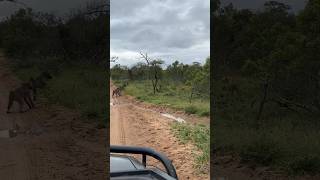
[{"x": 124, "y": 166}]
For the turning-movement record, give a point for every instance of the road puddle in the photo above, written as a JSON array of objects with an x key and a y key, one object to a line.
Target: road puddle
[
  {"x": 174, "y": 118},
  {"x": 8, "y": 133}
]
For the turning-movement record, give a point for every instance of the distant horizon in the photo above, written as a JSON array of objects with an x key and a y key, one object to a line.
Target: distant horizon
[
  {"x": 167, "y": 60},
  {"x": 112, "y": 64}
]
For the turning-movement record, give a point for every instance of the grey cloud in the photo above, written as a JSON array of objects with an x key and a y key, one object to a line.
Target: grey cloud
[
  {"x": 180, "y": 39},
  {"x": 122, "y": 8},
  {"x": 145, "y": 36},
  {"x": 168, "y": 29}
]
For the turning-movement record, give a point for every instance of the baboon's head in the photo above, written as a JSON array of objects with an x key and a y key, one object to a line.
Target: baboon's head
[{"x": 47, "y": 75}]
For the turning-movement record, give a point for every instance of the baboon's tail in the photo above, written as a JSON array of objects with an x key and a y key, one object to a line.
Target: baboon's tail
[
  {"x": 10, "y": 95},
  {"x": 10, "y": 100}
]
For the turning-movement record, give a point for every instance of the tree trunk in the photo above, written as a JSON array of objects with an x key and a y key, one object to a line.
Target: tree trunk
[
  {"x": 263, "y": 101},
  {"x": 190, "y": 99},
  {"x": 317, "y": 96},
  {"x": 154, "y": 87}
]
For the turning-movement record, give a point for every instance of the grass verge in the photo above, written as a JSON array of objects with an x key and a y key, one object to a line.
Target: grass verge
[
  {"x": 81, "y": 87},
  {"x": 171, "y": 95},
  {"x": 295, "y": 151},
  {"x": 199, "y": 135}
]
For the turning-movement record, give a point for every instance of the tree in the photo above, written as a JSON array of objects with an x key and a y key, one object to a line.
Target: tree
[
  {"x": 114, "y": 59},
  {"x": 215, "y": 5},
  {"x": 200, "y": 79},
  {"x": 154, "y": 71}
]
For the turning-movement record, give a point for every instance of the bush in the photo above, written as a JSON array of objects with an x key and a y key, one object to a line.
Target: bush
[
  {"x": 81, "y": 88},
  {"x": 191, "y": 110},
  {"x": 263, "y": 151},
  {"x": 305, "y": 165},
  {"x": 205, "y": 113}
]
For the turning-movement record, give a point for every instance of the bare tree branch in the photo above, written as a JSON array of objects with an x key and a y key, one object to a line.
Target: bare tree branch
[
  {"x": 152, "y": 65},
  {"x": 145, "y": 57},
  {"x": 114, "y": 59}
]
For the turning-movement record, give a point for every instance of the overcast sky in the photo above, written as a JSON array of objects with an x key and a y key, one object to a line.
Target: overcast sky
[
  {"x": 166, "y": 29},
  {"x": 59, "y": 7},
  {"x": 257, "y": 4}
]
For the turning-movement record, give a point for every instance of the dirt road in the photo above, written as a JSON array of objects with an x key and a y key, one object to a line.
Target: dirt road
[
  {"x": 51, "y": 142},
  {"x": 138, "y": 124}
]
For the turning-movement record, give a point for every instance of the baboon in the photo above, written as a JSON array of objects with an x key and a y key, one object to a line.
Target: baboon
[
  {"x": 21, "y": 95},
  {"x": 116, "y": 92},
  {"x": 39, "y": 82}
]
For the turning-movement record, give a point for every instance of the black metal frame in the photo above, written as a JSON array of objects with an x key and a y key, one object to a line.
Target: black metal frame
[{"x": 146, "y": 152}]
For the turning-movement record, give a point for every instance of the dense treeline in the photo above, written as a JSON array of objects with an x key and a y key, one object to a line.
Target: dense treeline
[
  {"x": 195, "y": 75},
  {"x": 73, "y": 48},
  {"x": 275, "y": 52},
  {"x": 34, "y": 38},
  {"x": 266, "y": 82}
]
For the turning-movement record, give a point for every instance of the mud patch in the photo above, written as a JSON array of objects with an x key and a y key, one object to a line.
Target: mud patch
[{"x": 178, "y": 119}]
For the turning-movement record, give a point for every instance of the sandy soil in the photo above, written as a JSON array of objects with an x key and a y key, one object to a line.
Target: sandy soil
[
  {"x": 139, "y": 124},
  {"x": 51, "y": 142}
]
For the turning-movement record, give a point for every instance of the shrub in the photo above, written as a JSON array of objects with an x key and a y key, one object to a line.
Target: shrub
[
  {"x": 191, "y": 110},
  {"x": 262, "y": 151},
  {"x": 305, "y": 165}
]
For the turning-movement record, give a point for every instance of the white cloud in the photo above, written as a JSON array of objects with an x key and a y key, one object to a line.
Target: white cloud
[{"x": 167, "y": 29}]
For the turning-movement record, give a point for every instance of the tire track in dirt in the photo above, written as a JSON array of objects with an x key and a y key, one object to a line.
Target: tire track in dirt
[
  {"x": 118, "y": 138},
  {"x": 147, "y": 128},
  {"x": 122, "y": 132}
]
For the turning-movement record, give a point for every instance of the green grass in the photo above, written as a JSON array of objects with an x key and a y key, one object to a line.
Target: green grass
[
  {"x": 199, "y": 135},
  {"x": 295, "y": 150},
  {"x": 25, "y": 74},
  {"x": 175, "y": 96},
  {"x": 80, "y": 87},
  {"x": 285, "y": 141}
]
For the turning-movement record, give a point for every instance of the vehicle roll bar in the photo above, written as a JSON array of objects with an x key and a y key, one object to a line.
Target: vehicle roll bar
[{"x": 146, "y": 152}]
